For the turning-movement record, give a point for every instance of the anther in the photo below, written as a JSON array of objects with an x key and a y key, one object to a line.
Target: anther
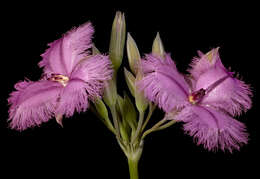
[
  {"x": 59, "y": 78},
  {"x": 196, "y": 96}
]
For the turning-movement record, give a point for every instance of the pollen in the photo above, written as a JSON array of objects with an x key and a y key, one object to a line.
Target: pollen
[{"x": 191, "y": 99}]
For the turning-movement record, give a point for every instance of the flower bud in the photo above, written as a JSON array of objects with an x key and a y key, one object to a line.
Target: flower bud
[
  {"x": 130, "y": 81},
  {"x": 140, "y": 100},
  {"x": 158, "y": 48},
  {"x": 117, "y": 41},
  {"x": 101, "y": 111},
  {"x": 133, "y": 54},
  {"x": 101, "y": 108},
  {"x": 110, "y": 92}
]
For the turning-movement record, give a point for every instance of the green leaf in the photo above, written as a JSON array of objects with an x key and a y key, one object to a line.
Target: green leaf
[
  {"x": 127, "y": 124},
  {"x": 125, "y": 130},
  {"x": 120, "y": 105},
  {"x": 129, "y": 112}
]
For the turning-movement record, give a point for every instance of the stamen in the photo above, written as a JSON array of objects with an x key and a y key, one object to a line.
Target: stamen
[
  {"x": 196, "y": 96},
  {"x": 59, "y": 78}
]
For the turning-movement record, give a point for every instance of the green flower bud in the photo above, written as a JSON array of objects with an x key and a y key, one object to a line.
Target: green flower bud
[
  {"x": 101, "y": 111},
  {"x": 158, "y": 48},
  {"x": 130, "y": 81},
  {"x": 140, "y": 101},
  {"x": 117, "y": 41},
  {"x": 101, "y": 108},
  {"x": 110, "y": 92},
  {"x": 133, "y": 54}
]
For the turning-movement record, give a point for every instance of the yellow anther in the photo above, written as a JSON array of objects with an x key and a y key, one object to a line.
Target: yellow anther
[
  {"x": 60, "y": 78},
  {"x": 191, "y": 99}
]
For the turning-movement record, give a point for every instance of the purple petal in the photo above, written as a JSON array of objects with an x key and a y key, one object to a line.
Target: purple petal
[
  {"x": 32, "y": 103},
  {"x": 94, "y": 71},
  {"x": 213, "y": 129},
  {"x": 162, "y": 83},
  {"x": 201, "y": 64},
  {"x": 64, "y": 53},
  {"x": 230, "y": 94},
  {"x": 73, "y": 98}
]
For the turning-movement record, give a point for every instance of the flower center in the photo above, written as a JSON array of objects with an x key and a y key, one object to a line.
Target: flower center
[
  {"x": 62, "y": 79},
  {"x": 196, "y": 96}
]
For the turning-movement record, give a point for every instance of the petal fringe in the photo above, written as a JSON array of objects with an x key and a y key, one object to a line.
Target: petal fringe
[
  {"x": 213, "y": 129},
  {"x": 33, "y": 103},
  {"x": 64, "y": 53}
]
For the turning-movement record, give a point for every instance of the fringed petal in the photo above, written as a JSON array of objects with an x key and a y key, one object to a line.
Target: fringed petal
[
  {"x": 213, "y": 129},
  {"x": 32, "y": 103},
  {"x": 231, "y": 94},
  {"x": 73, "y": 98},
  {"x": 64, "y": 53},
  {"x": 162, "y": 83},
  {"x": 94, "y": 71},
  {"x": 204, "y": 62}
]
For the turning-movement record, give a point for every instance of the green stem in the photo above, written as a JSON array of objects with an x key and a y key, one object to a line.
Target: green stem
[
  {"x": 139, "y": 127},
  {"x": 115, "y": 121},
  {"x": 151, "y": 109},
  {"x": 157, "y": 125},
  {"x": 166, "y": 125},
  {"x": 133, "y": 168}
]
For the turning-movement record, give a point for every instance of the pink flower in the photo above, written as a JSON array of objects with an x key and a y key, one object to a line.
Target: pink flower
[
  {"x": 205, "y": 102},
  {"x": 71, "y": 77}
]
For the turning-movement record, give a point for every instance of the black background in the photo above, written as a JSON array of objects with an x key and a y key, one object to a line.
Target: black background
[{"x": 84, "y": 147}]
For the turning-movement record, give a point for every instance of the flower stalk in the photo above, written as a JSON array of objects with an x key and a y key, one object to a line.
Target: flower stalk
[{"x": 133, "y": 168}]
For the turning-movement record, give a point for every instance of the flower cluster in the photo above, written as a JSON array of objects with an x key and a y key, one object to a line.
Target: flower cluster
[
  {"x": 72, "y": 76},
  {"x": 206, "y": 100}
]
